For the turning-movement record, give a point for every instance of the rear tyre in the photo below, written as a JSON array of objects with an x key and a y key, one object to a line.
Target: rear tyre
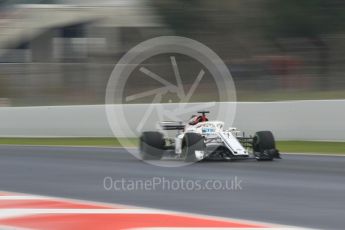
[
  {"x": 151, "y": 146},
  {"x": 264, "y": 146},
  {"x": 191, "y": 144}
]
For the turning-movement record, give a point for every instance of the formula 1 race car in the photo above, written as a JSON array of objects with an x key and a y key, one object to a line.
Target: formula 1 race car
[{"x": 201, "y": 139}]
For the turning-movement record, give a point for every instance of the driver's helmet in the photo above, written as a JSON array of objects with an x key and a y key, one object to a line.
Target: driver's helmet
[{"x": 197, "y": 119}]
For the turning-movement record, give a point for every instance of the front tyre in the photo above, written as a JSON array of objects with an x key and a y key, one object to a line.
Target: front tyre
[
  {"x": 193, "y": 147},
  {"x": 151, "y": 146},
  {"x": 264, "y": 146}
]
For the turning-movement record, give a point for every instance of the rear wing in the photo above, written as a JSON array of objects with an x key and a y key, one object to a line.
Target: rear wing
[{"x": 172, "y": 125}]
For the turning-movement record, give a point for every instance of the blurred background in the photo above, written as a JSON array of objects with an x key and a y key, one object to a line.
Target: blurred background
[{"x": 62, "y": 52}]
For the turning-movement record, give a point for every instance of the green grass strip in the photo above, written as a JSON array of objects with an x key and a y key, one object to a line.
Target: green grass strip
[
  {"x": 311, "y": 147},
  {"x": 106, "y": 142},
  {"x": 283, "y": 146}
]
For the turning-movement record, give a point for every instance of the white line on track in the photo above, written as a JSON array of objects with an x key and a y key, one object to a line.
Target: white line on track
[
  {"x": 23, "y": 197},
  {"x": 15, "y": 212}
]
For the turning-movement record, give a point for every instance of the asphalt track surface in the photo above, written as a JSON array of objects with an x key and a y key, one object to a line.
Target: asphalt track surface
[{"x": 306, "y": 191}]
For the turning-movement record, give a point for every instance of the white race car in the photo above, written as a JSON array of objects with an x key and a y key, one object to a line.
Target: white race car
[{"x": 201, "y": 139}]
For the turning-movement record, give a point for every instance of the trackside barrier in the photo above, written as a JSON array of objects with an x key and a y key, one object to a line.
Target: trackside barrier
[{"x": 290, "y": 120}]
